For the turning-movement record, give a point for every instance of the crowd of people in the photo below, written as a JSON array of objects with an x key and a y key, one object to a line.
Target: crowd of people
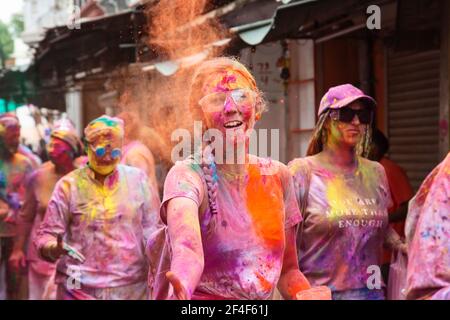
[{"x": 90, "y": 223}]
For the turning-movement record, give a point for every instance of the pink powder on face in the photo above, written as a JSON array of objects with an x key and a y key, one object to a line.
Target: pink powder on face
[
  {"x": 225, "y": 84},
  {"x": 59, "y": 152},
  {"x": 219, "y": 118},
  {"x": 225, "y": 81},
  {"x": 247, "y": 111},
  {"x": 228, "y": 105}
]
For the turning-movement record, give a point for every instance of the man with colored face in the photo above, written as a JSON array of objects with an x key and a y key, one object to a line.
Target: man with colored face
[
  {"x": 14, "y": 169},
  {"x": 98, "y": 221},
  {"x": 63, "y": 148}
]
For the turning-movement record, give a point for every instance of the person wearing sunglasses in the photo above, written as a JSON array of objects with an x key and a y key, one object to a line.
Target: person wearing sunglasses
[
  {"x": 344, "y": 199},
  {"x": 135, "y": 152},
  {"x": 231, "y": 224},
  {"x": 98, "y": 221}
]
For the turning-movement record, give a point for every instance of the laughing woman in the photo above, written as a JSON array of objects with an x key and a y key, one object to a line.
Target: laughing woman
[
  {"x": 344, "y": 198},
  {"x": 231, "y": 226}
]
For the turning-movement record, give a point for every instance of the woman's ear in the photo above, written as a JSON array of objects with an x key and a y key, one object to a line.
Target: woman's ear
[{"x": 259, "y": 108}]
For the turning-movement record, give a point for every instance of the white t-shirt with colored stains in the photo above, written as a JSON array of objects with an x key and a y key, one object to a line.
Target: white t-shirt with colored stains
[
  {"x": 244, "y": 241},
  {"x": 345, "y": 221}
]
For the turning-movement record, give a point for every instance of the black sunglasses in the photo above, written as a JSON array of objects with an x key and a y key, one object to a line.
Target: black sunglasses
[{"x": 347, "y": 114}]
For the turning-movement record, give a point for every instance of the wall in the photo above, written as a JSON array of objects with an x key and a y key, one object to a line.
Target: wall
[
  {"x": 263, "y": 64},
  {"x": 337, "y": 62},
  {"x": 302, "y": 102}
]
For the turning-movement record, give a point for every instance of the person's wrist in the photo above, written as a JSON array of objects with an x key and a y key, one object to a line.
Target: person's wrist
[{"x": 48, "y": 251}]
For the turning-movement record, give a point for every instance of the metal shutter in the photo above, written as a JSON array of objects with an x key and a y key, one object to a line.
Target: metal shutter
[{"x": 413, "y": 112}]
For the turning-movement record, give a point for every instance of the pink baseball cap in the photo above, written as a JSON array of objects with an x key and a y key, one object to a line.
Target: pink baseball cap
[{"x": 341, "y": 96}]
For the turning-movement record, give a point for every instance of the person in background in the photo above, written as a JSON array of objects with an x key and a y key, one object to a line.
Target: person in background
[
  {"x": 428, "y": 236},
  {"x": 63, "y": 148},
  {"x": 135, "y": 153},
  {"x": 14, "y": 170},
  {"x": 97, "y": 222},
  {"x": 400, "y": 188},
  {"x": 344, "y": 199},
  {"x": 34, "y": 159}
]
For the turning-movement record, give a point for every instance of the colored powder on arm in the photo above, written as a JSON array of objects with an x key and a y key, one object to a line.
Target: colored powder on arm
[{"x": 297, "y": 285}]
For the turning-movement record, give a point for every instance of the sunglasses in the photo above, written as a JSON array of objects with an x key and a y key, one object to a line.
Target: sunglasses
[
  {"x": 100, "y": 152},
  {"x": 347, "y": 115},
  {"x": 215, "y": 102}
]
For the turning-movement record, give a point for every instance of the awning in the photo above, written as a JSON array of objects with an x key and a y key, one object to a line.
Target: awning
[
  {"x": 169, "y": 67},
  {"x": 251, "y": 34},
  {"x": 60, "y": 37},
  {"x": 284, "y": 20},
  {"x": 254, "y": 33},
  {"x": 294, "y": 19}
]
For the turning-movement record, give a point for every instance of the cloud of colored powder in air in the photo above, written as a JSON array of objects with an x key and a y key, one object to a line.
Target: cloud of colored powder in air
[{"x": 176, "y": 30}]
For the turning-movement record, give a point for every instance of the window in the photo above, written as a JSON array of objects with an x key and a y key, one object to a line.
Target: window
[{"x": 302, "y": 94}]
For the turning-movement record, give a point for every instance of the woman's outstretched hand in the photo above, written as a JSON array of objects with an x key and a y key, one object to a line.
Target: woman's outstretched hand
[
  {"x": 179, "y": 291},
  {"x": 315, "y": 293}
]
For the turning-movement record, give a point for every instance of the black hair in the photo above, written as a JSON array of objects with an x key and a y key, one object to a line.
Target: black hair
[{"x": 380, "y": 140}]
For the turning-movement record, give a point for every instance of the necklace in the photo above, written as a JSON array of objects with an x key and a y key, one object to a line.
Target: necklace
[{"x": 234, "y": 175}]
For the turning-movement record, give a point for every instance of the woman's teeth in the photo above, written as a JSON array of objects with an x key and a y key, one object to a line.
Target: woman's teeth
[{"x": 232, "y": 124}]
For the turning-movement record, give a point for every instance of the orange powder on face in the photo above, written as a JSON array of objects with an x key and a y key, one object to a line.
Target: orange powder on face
[{"x": 265, "y": 205}]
